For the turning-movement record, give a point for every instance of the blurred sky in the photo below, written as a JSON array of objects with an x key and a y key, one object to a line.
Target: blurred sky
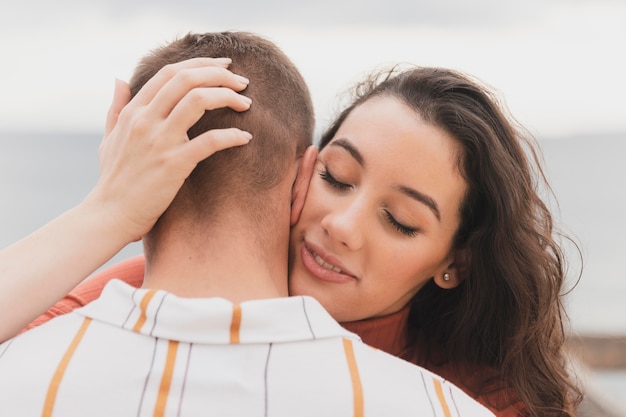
[{"x": 560, "y": 64}]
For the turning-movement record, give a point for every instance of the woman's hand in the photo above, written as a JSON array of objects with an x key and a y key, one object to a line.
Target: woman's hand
[{"x": 146, "y": 155}]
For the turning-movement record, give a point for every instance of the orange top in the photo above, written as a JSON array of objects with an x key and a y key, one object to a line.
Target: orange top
[
  {"x": 384, "y": 333},
  {"x": 389, "y": 334},
  {"x": 130, "y": 271}
]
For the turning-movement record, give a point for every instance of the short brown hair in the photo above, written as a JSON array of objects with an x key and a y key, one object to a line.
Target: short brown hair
[{"x": 280, "y": 119}]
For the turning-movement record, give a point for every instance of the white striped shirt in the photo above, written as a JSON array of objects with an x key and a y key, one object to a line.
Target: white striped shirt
[{"x": 137, "y": 352}]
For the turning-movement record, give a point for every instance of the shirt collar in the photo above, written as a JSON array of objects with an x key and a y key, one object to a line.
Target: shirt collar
[{"x": 161, "y": 314}]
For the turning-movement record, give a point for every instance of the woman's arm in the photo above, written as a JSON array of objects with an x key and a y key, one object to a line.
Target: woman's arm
[
  {"x": 145, "y": 157},
  {"x": 130, "y": 271}
]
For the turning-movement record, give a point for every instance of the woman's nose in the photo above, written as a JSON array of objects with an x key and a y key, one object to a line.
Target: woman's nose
[{"x": 345, "y": 223}]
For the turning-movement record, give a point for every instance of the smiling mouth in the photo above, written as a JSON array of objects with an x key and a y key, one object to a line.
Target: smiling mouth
[{"x": 323, "y": 263}]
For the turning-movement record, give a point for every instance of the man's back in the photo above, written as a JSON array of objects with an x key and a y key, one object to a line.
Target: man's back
[{"x": 143, "y": 352}]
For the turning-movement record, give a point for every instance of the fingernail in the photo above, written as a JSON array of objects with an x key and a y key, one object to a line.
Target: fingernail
[
  {"x": 247, "y": 135},
  {"x": 242, "y": 80},
  {"x": 246, "y": 99},
  {"x": 224, "y": 61}
]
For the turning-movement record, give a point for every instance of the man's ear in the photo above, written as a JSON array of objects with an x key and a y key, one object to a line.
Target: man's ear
[
  {"x": 301, "y": 184},
  {"x": 456, "y": 271}
]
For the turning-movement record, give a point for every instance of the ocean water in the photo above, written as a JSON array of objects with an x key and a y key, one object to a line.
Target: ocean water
[
  {"x": 588, "y": 176},
  {"x": 43, "y": 175}
]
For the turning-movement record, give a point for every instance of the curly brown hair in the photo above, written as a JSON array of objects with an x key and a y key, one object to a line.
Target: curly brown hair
[{"x": 507, "y": 314}]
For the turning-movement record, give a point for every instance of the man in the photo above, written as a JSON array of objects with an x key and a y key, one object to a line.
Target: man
[{"x": 212, "y": 331}]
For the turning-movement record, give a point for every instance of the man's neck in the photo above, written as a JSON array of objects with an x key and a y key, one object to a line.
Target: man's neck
[{"x": 230, "y": 265}]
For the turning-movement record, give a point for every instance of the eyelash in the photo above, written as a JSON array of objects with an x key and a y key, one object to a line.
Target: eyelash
[
  {"x": 405, "y": 230},
  {"x": 332, "y": 181},
  {"x": 328, "y": 177}
]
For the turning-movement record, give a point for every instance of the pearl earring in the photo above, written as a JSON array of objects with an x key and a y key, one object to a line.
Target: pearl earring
[{"x": 446, "y": 277}]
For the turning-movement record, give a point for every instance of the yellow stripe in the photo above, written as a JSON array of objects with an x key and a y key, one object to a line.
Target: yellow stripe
[
  {"x": 357, "y": 388},
  {"x": 235, "y": 325},
  {"x": 53, "y": 389},
  {"x": 166, "y": 380},
  {"x": 144, "y": 307},
  {"x": 442, "y": 399}
]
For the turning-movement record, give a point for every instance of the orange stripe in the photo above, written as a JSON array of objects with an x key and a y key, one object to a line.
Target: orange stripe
[
  {"x": 166, "y": 380},
  {"x": 235, "y": 325},
  {"x": 357, "y": 388},
  {"x": 442, "y": 399},
  {"x": 144, "y": 307},
  {"x": 53, "y": 389}
]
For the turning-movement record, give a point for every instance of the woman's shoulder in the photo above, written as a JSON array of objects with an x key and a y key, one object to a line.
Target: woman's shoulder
[{"x": 483, "y": 383}]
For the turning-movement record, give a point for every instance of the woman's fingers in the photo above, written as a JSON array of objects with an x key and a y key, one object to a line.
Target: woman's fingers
[
  {"x": 150, "y": 89},
  {"x": 145, "y": 157},
  {"x": 121, "y": 97},
  {"x": 193, "y": 105},
  {"x": 186, "y": 81},
  {"x": 208, "y": 143}
]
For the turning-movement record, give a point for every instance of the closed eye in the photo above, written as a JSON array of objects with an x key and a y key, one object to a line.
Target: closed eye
[
  {"x": 328, "y": 177},
  {"x": 404, "y": 229}
]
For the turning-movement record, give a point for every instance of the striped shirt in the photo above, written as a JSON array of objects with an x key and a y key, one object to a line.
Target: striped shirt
[{"x": 138, "y": 352}]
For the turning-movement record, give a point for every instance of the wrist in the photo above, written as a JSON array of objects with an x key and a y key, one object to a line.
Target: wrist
[{"x": 109, "y": 219}]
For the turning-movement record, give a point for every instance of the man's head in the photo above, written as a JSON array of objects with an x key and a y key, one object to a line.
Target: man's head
[{"x": 280, "y": 120}]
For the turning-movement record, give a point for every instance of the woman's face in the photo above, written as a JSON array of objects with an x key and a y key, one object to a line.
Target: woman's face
[{"x": 380, "y": 214}]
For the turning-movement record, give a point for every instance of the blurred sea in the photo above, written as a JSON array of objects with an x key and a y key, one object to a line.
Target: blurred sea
[{"x": 43, "y": 175}]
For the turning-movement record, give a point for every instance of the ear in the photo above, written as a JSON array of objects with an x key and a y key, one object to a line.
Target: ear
[
  {"x": 301, "y": 184},
  {"x": 456, "y": 272}
]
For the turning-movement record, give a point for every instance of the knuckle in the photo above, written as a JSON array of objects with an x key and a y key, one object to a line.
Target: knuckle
[
  {"x": 169, "y": 70},
  {"x": 139, "y": 125},
  {"x": 124, "y": 114},
  {"x": 219, "y": 75},
  {"x": 185, "y": 77},
  {"x": 195, "y": 97},
  {"x": 223, "y": 72},
  {"x": 125, "y": 118},
  {"x": 211, "y": 137}
]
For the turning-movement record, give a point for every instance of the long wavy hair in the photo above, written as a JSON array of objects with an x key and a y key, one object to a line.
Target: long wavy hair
[{"x": 507, "y": 314}]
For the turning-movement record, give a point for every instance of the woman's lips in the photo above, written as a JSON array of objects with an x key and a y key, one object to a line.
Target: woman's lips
[{"x": 324, "y": 268}]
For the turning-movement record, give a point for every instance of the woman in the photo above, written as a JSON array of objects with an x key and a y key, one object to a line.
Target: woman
[
  {"x": 424, "y": 233},
  {"x": 491, "y": 300}
]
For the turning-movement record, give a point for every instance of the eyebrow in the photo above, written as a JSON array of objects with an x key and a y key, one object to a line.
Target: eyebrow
[
  {"x": 352, "y": 150},
  {"x": 410, "y": 192},
  {"x": 422, "y": 198}
]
